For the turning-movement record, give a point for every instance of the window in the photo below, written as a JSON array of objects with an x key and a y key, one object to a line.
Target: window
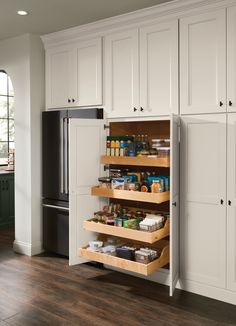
[{"x": 6, "y": 117}]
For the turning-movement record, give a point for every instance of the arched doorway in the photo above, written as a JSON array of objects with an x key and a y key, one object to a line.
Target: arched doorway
[{"x": 7, "y": 148}]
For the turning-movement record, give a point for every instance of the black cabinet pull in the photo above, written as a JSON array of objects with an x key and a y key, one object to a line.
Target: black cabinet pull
[
  {"x": 141, "y": 109},
  {"x": 73, "y": 100},
  {"x": 68, "y": 100},
  {"x": 174, "y": 204},
  {"x": 230, "y": 103},
  {"x": 229, "y": 202},
  {"x": 221, "y": 201},
  {"x": 221, "y": 103},
  {"x": 135, "y": 109}
]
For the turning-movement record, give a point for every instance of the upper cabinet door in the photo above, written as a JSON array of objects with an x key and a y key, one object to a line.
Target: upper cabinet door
[
  {"x": 121, "y": 74},
  {"x": 203, "y": 63},
  {"x": 231, "y": 58},
  {"x": 159, "y": 69},
  {"x": 88, "y": 73},
  {"x": 58, "y": 77}
]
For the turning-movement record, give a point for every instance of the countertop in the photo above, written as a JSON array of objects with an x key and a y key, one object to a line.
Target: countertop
[{"x": 6, "y": 172}]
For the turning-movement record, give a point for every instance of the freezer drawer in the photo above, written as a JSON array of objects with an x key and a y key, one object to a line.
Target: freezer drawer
[{"x": 56, "y": 229}]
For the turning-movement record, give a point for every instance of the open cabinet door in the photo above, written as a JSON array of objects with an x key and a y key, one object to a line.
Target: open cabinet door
[
  {"x": 87, "y": 144},
  {"x": 174, "y": 203}
]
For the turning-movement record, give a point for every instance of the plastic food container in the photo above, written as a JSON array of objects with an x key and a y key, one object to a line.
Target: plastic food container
[
  {"x": 94, "y": 245},
  {"x": 104, "y": 182}
]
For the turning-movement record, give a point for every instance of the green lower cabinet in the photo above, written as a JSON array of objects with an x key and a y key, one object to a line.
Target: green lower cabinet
[{"x": 7, "y": 201}]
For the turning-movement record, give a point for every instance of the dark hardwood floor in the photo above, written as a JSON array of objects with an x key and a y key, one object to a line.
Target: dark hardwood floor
[{"x": 44, "y": 290}]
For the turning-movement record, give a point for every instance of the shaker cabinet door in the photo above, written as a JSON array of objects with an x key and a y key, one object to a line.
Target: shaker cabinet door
[
  {"x": 231, "y": 59},
  {"x": 231, "y": 207},
  {"x": 159, "y": 69},
  {"x": 203, "y": 199},
  {"x": 59, "y": 82},
  {"x": 121, "y": 74},
  {"x": 88, "y": 72},
  {"x": 203, "y": 63},
  {"x": 87, "y": 142},
  {"x": 174, "y": 202}
]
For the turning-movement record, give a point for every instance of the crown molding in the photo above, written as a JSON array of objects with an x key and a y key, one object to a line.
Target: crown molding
[{"x": 173, "y": 9}]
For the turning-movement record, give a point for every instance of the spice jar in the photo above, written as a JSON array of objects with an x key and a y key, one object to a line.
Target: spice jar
[{"x": 156, "y": 186}]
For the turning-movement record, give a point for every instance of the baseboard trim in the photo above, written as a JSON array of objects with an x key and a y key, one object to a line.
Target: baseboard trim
[
  {"x": 27, "y": 249},
  {"x": 207, "y": 291}
]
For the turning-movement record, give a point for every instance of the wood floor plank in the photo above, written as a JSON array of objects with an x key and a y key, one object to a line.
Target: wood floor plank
[{"x": 45, "y": 290}]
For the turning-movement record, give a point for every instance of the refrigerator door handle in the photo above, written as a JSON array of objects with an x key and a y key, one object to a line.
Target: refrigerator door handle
[
  {"x": 62, "y": 156},
  {"x": 66, "y": 122},
  {"x": 57, "y": 207}
]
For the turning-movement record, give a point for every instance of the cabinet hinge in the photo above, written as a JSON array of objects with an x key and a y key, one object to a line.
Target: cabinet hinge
[{"x": 106, "y": 127}]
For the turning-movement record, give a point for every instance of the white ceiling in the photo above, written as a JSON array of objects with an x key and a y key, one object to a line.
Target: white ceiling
[{"x": 46, "y": 16}]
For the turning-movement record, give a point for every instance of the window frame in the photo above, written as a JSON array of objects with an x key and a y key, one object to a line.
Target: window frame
[{"x": 8, "y": 118}]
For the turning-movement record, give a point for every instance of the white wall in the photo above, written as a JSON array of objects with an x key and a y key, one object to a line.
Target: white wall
[{"x": 22, "y": 58}]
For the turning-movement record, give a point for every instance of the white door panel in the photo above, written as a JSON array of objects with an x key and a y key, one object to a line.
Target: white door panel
[
  {"x": 174, "y": 203},
  {"x": 58, "y": 77},
  {"x": 121, "y": 74},
  {"x": 88, "y": 60},
  {"x": 87, "y": 141},
  {"x": 203, "y": 199},
  {"x": 203, "y": 63},
  {"x": 159, "y": 68},
  {"x": 231, "y": 209},
  {"x": 231, "y": 58}
]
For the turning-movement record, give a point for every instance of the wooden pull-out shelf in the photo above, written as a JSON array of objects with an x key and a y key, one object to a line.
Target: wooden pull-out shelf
[
  {"x": 137, "y": 161},
  {"x": 156, "y": 198},
  {"x": 143, "y": 236},
  {"x": 133, "y": 266}
]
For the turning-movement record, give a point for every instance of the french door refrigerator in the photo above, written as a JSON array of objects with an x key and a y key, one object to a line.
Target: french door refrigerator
[{"x": 55, "y": 145}]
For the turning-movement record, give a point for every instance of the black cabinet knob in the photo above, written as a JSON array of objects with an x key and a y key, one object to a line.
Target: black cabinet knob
[
  {"x": 230, "y": 103},
  {"x": 73, "y": 100},
  {"x": 221, "y": 103},
  {"x": 221, "y": 202},
  {"x": 229, "y": 202},
  {"x": 68, "y": 100},
  {"x": 135, "y": 109},
  {"x": 141, "y": 109},
  {"x": 174, "y": 204}
]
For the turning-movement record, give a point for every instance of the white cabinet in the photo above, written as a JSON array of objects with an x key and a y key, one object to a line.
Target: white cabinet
[
  {"x": 87, "y": 143},
  {"x": 141, "y": 72},
  {"x": 59, "y": 81},
  {"x": 159, "y": 69},
  {"x": 231, "y": 58},
  {"x": 203, "y": 63},
  {"x": 74, "y": 75},
  {"x": 203, "y": 199},
  {"x": 231, "y": 207},
  {"x": 121, "y": 73}
]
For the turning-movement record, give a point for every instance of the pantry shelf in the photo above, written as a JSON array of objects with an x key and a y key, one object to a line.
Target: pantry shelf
[
  {"x": 129, "y": 265},
  {"x": 156, "y": 198},
  {"x": 148, "y": 237},
  {"x": 137, "y": 160}
]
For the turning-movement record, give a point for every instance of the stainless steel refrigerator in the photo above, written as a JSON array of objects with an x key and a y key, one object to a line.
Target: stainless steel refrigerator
[{"x": 56, "y": 176}]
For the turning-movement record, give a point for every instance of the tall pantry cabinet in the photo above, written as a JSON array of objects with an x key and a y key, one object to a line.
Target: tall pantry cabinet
[
  {"x": 208, "y": 149},
  {"x": 86, "y": 197}
]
